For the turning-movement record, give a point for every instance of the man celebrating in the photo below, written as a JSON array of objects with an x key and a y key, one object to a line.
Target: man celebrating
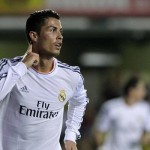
[{"x": 35, "y": 88}]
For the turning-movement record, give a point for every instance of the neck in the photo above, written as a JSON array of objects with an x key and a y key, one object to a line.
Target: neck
[
  {"x": 130, "y": 101},
  {"x": 45, "y": 65}
]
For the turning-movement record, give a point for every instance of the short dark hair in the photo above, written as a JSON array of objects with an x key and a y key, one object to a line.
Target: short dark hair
[
  {"x": 131, "y": 83},
  {"x": 37, "y": 19}
]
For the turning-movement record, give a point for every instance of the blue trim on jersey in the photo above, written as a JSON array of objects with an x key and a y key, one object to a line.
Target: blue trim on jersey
[
  {"x": 16, "y": 59},
  {"x": 3, "y": 76},
  {"x": 69, "y": 68},
  {"x": 74, "y": 68},
  {"x": 3, "y": 62},
  {"x": 66, "y": 65}
]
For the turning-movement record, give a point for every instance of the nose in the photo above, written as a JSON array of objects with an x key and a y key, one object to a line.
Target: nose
[{"x": 60, "y": 36}]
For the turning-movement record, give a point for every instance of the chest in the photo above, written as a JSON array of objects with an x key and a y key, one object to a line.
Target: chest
[
  {"x": 43, "y": 93},
  {"x": 126, "y": 119}
]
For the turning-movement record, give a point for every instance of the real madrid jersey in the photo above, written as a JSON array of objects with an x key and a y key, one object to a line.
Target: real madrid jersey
[
  {"x": 124, "y": 124},
  {"x": 32, "y": 105}
]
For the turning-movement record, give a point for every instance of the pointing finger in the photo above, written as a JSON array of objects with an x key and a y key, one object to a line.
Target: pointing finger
[{"x": 29, "y": 48}]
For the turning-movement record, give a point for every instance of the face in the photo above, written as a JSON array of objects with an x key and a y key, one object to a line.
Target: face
[
  {"x": 49, "y": 40},
  {"x": 139, "y": 92}
]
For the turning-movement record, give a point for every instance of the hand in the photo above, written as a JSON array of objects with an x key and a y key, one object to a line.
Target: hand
[
  {"x": 30, "y": 58},
  {"x": 70, "y": 145}
]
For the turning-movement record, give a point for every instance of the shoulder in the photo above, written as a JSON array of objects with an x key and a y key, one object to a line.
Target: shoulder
[
  {"x": 15, "y": 60},
  {"x": 144, "y": 105},
  {"x": 6, "y": 62},
  {"x": 12, "y": 61},
  {"x": 68, "y": 68},
  {"x": 72, "y": 73},
  {"x": 3, "y": 63}
]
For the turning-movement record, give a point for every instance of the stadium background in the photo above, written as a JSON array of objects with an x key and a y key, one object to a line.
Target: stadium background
[{"x": 108, "y": 39}]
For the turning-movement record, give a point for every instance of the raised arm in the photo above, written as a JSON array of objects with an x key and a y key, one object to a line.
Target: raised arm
[
  {"x": 9, "y": 75},
  {"x": 12, "y": 70}
]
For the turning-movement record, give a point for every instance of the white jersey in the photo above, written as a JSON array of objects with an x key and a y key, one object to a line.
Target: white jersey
[
  {"x": 32, "y": 105},
  {"x": 124, "y": 124}
]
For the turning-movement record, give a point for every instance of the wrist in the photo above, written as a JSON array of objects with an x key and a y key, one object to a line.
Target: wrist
[
  {"x": 26, "y": 64},
  {"x": 70, "y": 136}
]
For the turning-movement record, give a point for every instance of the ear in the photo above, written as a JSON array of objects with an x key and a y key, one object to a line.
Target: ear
[{"x": 33, "y": 36}]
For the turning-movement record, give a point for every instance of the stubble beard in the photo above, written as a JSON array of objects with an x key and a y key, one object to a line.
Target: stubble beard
[{"x": 48, "y": 54}]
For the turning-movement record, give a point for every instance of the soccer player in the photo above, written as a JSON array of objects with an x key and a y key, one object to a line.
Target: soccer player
[
  {"x": 34, "y": 89},
  {"x": 124, "y": 123}
]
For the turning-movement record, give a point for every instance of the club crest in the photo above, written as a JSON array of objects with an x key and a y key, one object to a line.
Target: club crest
[{"x": 62, "y": 96}]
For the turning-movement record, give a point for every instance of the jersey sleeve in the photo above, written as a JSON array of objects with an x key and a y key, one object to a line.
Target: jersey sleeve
[
  {"x": 103, "y": 120},
  {"x": 76, "y": 109},
  {"x": 9, "y": 75}
]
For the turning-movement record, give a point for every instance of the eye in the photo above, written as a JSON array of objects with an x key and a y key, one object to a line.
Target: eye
[{"x": 53, "y": 29}]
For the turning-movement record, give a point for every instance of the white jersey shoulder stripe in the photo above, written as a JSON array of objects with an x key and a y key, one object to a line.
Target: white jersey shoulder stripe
[
  {"x": 66, "y": 66},
  {"x": 3, "y": 76},
  {"x": 3, "y": 62},
  {"x": 16, "y": 59}
]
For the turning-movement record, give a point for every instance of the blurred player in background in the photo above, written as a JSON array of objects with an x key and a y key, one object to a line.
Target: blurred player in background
[
  {"x": 35, "y": 88},
  {"x": 124, "y": 123}
]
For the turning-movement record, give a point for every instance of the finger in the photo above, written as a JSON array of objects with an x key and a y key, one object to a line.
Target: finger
[{"x": 29, "y": 48}]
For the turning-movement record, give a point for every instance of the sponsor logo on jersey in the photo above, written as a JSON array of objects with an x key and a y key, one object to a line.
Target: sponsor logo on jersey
[
  {"x": 62, "y": 96},
  {"x": 42, "y": 111},
  {"x": 37, "y": 113},
  {"x": 24, "y": 89}
]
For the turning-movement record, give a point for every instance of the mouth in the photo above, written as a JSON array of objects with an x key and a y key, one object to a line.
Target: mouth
[{"x": 58, "y": 45}]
